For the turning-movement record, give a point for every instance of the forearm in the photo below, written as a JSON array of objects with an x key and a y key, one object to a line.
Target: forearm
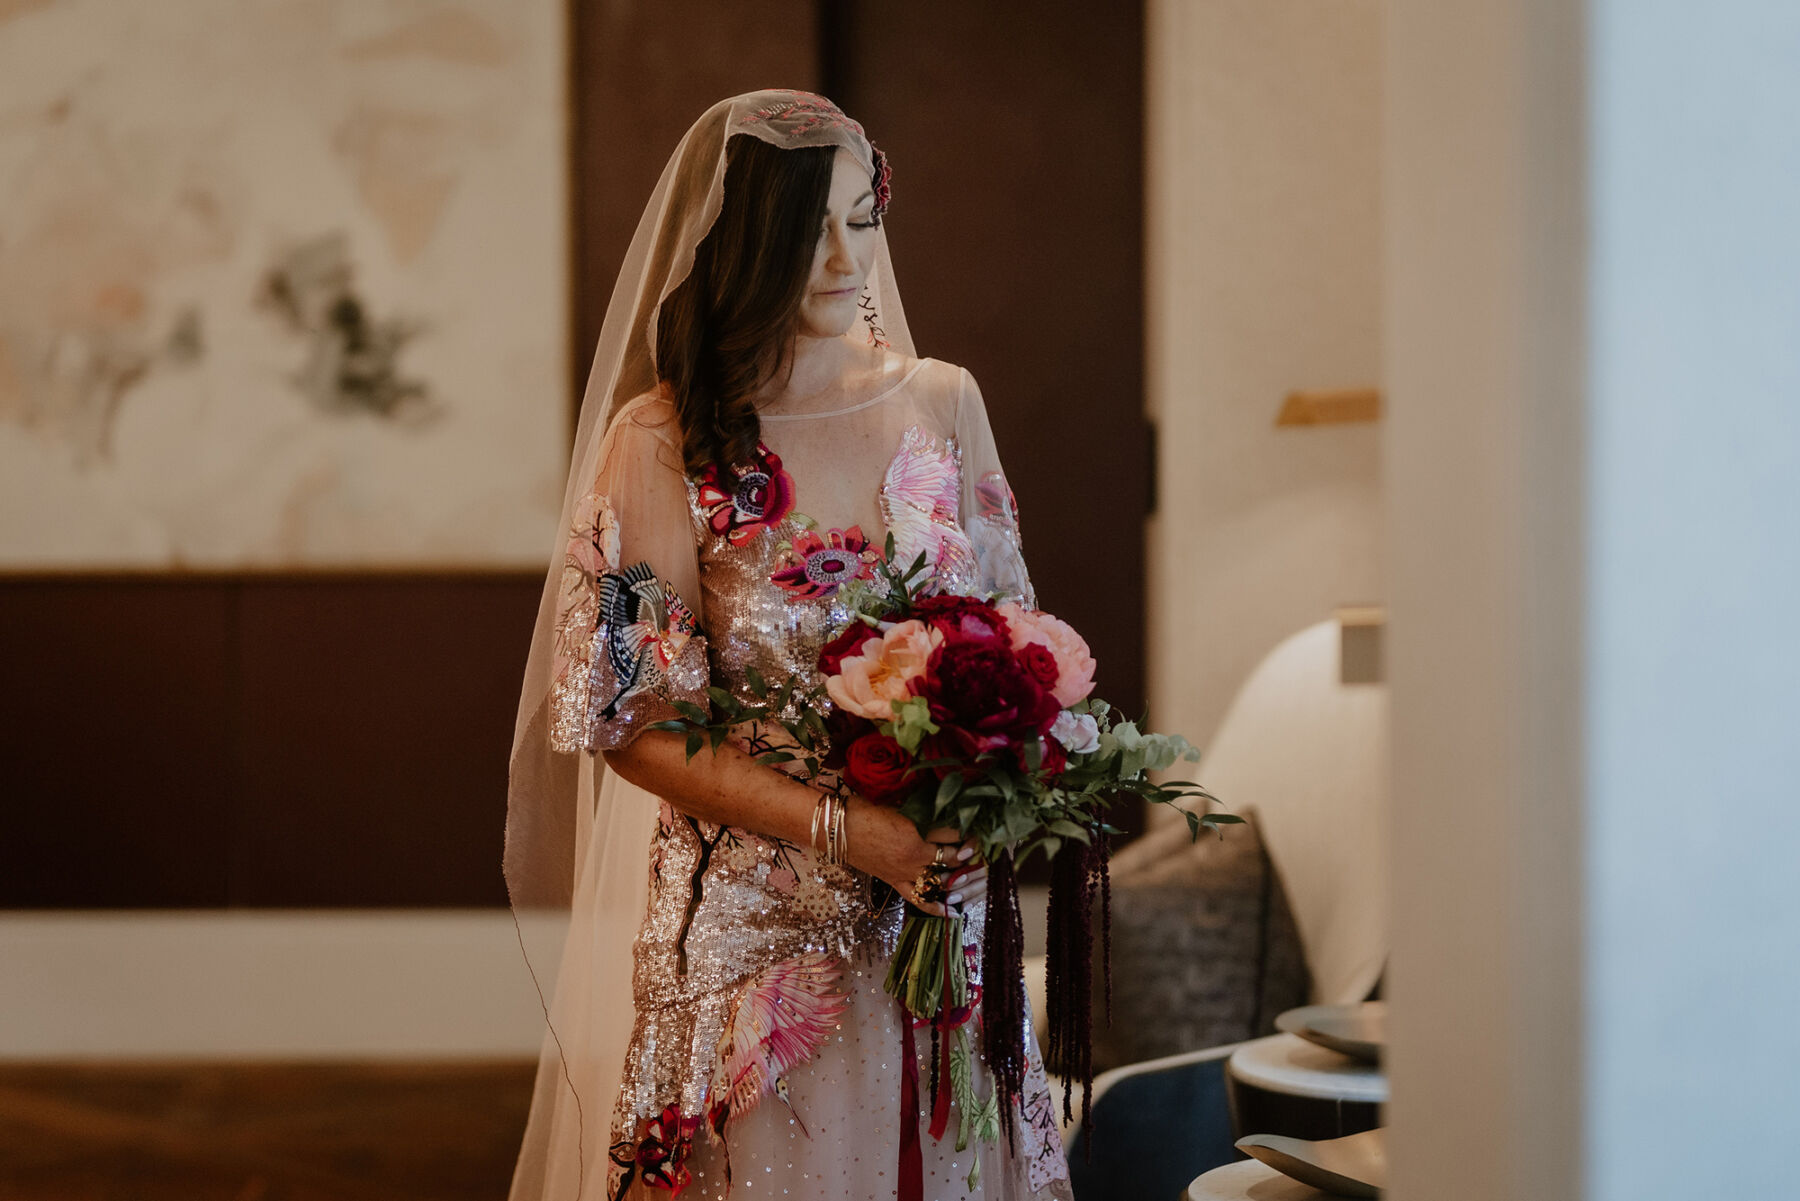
[
  {"x": 731, "y": 788},
  {"x": 725, "y": 786}
]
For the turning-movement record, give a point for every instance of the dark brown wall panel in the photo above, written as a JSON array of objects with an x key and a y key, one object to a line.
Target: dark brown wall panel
[
  {"x": 1015, "y": 131},
  {"x": 117, "y": 770},
  {"x": 258, "y": 741},
  {"x": 377, "y": 717},
  {"x": 641, "y": 72}
]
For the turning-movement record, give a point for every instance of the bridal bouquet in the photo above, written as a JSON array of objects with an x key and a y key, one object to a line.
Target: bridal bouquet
[{"x": 978, "y": 717}]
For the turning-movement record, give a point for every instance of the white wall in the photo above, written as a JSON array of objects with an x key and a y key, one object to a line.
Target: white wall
[
  {"x": 1263, "y": 259},
  {"x": 1693, "y": 700},
  {"x": 1593, "y": 463},
  {"x": 285, "y": 984},
  {"x": 1482, "y": 457}
]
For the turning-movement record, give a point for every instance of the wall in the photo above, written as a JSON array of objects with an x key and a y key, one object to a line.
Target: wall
[
  {"x": 1262, "y": 274},
  {"x": 1594, "y": 462},
  {"x": 1693, "y": 663}
]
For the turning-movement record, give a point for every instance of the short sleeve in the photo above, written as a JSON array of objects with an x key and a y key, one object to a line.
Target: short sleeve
[
  {"x": 628, "y": 638},
  {"x": 990, "y": 516}
]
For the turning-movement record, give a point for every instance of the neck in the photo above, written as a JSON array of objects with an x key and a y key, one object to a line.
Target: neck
[{"x": 815, "y": 365}]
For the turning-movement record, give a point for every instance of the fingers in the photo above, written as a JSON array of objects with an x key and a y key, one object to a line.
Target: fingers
[
  {"x": 944, "y": 834},
  {"x": 931, "y": 907}
]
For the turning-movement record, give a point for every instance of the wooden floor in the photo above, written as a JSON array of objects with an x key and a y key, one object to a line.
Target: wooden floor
[{"x": 260, "y": 1132}]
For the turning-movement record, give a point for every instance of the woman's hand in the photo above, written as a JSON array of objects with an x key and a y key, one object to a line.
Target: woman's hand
[{"x": 887, "y": 846}]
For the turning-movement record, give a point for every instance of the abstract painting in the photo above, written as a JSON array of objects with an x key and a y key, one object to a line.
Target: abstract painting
[{"x": 282, "y": 284}]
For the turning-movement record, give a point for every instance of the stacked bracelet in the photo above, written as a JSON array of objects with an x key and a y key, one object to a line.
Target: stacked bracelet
[{"x": 828, "y": 820}]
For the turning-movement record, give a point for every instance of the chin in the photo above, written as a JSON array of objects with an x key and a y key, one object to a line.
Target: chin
[{"x": 833, "y": 321}]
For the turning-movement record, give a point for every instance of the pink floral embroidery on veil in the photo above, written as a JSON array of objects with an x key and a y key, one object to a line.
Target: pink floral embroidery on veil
[
  {"x": 802, "y": 113},
  {"x": 807, "y": 111}
]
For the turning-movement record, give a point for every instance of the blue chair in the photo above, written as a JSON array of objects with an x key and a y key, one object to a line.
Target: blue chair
[{"x": 1157, "y": 1125}]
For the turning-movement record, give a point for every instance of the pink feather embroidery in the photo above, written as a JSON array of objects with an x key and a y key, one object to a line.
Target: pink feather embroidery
[
  {"x": 783, "y": 1015},
  {"x": 919, "y": 500}
]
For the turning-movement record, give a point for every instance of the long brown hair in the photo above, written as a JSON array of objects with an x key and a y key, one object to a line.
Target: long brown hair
[{"x": 726, "y": 329}]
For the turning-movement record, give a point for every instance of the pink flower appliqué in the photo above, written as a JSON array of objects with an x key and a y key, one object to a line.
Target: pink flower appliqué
[
  {"x": 763, "y": 495},
  {"x": 995, "y": 499},
  {"x": 823, "y": 565}
]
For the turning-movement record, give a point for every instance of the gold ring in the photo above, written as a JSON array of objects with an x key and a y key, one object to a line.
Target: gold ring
[
  {"x": 938, "y": 856},
  {"x": 929, "y": 887}
]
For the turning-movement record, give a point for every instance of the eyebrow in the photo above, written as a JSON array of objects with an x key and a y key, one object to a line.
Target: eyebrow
[{"x": 866, "y": 194}]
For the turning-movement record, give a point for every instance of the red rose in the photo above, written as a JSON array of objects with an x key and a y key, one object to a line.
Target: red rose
[
  {"x": 981, "y": 689},
  {"x": 879, "y": 768},
  {"x": 1051, "y": 756},
  {"x": 961, "y": 618},
  {"x": 1036, "y": 658},
  {"x": 957, "y": 745},
  {"x": 849, "y": 643}
]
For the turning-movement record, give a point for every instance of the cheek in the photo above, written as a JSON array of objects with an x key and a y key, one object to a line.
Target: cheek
[{"x": 820, "y": 256}]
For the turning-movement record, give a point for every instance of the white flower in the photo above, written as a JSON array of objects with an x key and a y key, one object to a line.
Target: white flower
[{"x": 1078, "y": 732}]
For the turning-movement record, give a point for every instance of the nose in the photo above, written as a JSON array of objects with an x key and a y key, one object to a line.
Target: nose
[{"x": 838, "y": 258}]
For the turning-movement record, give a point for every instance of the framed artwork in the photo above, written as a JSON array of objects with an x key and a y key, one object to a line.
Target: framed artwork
[{"x": 284, "y": 284}]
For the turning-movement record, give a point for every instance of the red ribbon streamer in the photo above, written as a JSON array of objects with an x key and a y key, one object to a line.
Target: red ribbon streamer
[{"x": 912, "y": 1162}]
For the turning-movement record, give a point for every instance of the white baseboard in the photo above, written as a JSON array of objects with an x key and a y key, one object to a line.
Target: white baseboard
[{"x": 390, "y": 984}]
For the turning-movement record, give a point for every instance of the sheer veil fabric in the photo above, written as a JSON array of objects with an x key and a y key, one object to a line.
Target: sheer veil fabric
[{"x": 577, "y": 836}]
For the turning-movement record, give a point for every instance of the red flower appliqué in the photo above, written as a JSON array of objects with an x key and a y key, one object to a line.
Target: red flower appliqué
[
  {"x": 763, "y": 495},
  {"x": 659, "y": 1157},
  {"x": 823, "y": 565},
  {"x": 883, "y": 173}
]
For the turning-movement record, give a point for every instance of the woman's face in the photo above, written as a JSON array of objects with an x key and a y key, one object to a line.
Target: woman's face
[{"x": 844, "y": 253}]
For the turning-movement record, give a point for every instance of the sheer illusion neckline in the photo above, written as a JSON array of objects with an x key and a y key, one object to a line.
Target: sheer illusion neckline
[{"x": 859, "y": 405}]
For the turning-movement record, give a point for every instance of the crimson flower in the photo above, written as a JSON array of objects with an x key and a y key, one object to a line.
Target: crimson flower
[
  {"x": 761, "y": 497},
  {"x": 961, "y": 618}
]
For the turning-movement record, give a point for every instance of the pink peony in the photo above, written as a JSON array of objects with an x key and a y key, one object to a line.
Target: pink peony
[
  {"x": 1074, "y": 663},
  {"x": 868, "y": 682}
]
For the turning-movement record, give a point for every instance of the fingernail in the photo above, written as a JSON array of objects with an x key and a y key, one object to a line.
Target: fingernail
[
  {"x": 962, "y": 856},
  {"x": 956, "y": 898}
]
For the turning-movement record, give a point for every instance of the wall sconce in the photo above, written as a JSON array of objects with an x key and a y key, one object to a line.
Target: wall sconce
[
  {"x": 1330, "y": 406},
  {"x": 1360, "y": 630}
]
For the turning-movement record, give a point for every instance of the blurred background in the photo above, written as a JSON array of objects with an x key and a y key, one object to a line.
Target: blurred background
[{"x": 296, "y": 298}]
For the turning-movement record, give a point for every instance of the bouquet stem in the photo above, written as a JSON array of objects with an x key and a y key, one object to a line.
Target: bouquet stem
[{"x": 928, "y": 972}]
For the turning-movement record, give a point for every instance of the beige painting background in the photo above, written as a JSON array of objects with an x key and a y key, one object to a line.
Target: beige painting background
[{"x": 281, "y": 283}]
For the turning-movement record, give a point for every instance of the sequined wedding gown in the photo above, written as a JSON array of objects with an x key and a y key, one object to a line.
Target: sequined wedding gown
[{"x": 765, "y": 1056}]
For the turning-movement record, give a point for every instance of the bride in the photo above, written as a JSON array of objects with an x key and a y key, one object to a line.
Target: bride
[{"x": 754, "y": 429}]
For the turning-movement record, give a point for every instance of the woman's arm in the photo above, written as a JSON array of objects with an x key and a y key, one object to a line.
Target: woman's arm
[{"x": 731, "y": 788}]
